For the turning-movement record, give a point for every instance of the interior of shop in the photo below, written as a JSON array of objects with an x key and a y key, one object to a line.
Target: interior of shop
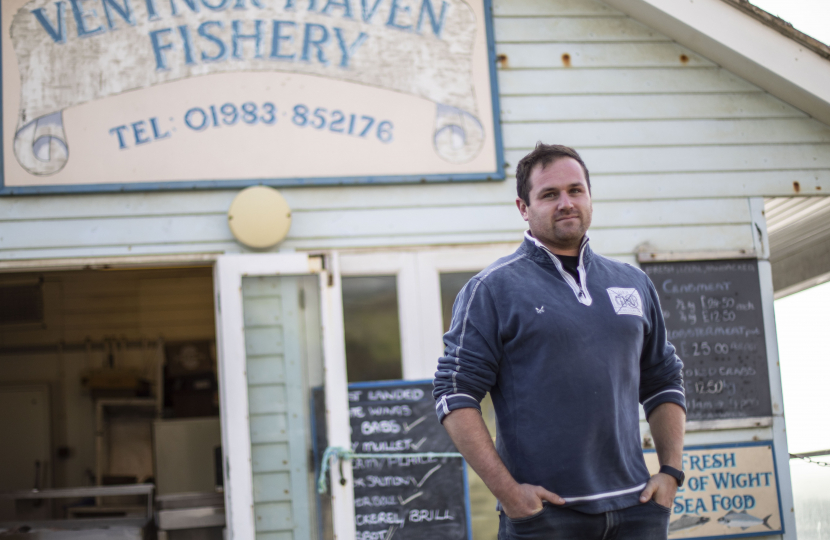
[{"x": 109, "y": 398}]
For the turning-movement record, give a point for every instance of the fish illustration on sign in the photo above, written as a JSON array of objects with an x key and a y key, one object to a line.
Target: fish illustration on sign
[
  {"x": 743, "y": 520},
  {"x": 687, "y": 522}
]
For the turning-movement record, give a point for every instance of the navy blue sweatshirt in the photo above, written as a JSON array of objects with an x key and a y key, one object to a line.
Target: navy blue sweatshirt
[{"x": 566, "y": 363}]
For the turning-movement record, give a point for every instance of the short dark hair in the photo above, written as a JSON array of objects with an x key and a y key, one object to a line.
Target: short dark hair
[{"x": 544, "y": 154}]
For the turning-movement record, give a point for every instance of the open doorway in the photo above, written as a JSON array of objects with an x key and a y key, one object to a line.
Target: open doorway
[{"x": 108, "y": 382}]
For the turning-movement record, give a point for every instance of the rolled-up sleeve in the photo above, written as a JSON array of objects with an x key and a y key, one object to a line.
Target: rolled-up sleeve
[
  {"x": 472, "y": 350},
  {"x": 661, "y": 370}
]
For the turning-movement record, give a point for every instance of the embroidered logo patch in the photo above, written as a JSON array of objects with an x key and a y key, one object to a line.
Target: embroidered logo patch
[
  {"x": 540, "y": 310},
  {"x": 625, "y": 301}
]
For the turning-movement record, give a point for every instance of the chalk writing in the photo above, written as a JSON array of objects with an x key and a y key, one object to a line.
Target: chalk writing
[
  {"x": 377, "y": 519},
  {"x": 392, "y": 446},
  {"x": 670, "y": 287},
  {"x": 422, "y": 497},
  {"x": 384, "y": 426},
  {"x": 397, "y": 410},
  {"x": 407, "y": 427},
  {"x": 375, "y": 500},
  {"x": 381, "y": 463},
  {"x": 372, "y": 535},
  {"x": 417, "y": 516},
  {"x": 399, "y": 394},
  {"x": 389, "y": 481},
  {"x": 723, "y": 370},
  {"x": 700, "y": 268},
  {"x": 713, "y": 320}
]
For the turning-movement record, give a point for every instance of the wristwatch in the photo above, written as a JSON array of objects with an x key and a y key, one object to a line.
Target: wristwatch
[{"x": 674, "y": 473}]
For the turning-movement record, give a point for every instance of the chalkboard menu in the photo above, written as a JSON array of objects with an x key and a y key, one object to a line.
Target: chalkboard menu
[
  {"x": 714, "y": 318},
  {"x": 403, "y": 497}
]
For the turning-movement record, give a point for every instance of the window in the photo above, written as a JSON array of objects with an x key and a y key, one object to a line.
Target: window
[
  {"x": 451, "y": 285},
  {"x": 372, "y": 328}
]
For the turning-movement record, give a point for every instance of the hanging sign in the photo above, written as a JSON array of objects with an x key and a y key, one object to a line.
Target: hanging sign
[
  {"x": 147, "y": 94},
  {"x": 730, "y": 491}
]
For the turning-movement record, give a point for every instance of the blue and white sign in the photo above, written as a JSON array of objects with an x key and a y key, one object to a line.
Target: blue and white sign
[
  {"x": 731, "y": 491},
  {"x": 147, "y": 94}
]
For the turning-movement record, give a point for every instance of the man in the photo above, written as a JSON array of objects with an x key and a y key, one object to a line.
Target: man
[{"x": 567, "y": 342}]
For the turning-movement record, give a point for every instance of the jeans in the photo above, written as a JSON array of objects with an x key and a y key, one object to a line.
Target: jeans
[{"x": 648, "y": 521}]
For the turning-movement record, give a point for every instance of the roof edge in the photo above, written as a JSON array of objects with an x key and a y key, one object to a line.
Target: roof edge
[
  {"x": 780, "y": 25},
  {"x": 746, "y": 42}
]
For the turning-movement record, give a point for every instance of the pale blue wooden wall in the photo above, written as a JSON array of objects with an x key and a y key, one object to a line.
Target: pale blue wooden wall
[{"x": 675, "y": 145}]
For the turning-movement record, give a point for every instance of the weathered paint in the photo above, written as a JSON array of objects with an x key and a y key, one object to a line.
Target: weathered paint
[
  {"x": 277, "y": 369},
  {"x": 80, "y": 56}
]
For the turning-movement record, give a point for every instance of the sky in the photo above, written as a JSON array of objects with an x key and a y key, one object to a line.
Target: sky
[
  {"x": 804, "y": 350},
  {"x": 801, "y": 322},
  {"x": 810, "y": 16}
]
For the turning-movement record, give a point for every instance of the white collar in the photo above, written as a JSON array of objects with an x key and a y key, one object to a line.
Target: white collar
[{"x": 542, "y": 246}]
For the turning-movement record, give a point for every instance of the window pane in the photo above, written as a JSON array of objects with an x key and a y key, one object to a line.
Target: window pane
[
  {"x": 451, "y": 285},
  {"x": 373, "y": 334}
]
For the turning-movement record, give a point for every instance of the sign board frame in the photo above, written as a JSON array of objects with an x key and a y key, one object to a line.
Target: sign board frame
[
  {"x": 741, "y": 353},
  {"x": 319, "y": 431},
  {"x": 495, "y": 146},
  {"x": 782, "y": 531}
]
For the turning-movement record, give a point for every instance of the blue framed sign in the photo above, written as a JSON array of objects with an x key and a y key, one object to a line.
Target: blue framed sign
[
  {"x": 731, "y": 491},
  {"x": 136, "y": 95}
]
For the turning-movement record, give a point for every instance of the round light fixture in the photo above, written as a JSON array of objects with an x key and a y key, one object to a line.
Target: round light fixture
[{"x": 259, "y": 217}]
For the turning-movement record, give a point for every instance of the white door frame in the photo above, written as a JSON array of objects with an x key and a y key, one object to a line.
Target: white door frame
[
  {"x": 233, "y": 385},
  {"x": 419, "y": 293}
]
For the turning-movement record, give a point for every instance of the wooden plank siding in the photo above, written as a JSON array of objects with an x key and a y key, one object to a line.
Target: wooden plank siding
[
  {"x": 96, "y": 305},
  {"x": 676, "y": 145},
  {"x": 277, "y": 394}
]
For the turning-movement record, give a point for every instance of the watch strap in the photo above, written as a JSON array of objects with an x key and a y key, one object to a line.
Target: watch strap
[{"x": 678, "y": 475}]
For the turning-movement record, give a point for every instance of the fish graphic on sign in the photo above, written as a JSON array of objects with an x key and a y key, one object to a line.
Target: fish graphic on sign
[
  {"x": 744, "y": 520},
  {"x": 686, "y": 522}
]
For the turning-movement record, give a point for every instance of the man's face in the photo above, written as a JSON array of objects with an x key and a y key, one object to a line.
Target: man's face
[{"x": 560, "y": 207}]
